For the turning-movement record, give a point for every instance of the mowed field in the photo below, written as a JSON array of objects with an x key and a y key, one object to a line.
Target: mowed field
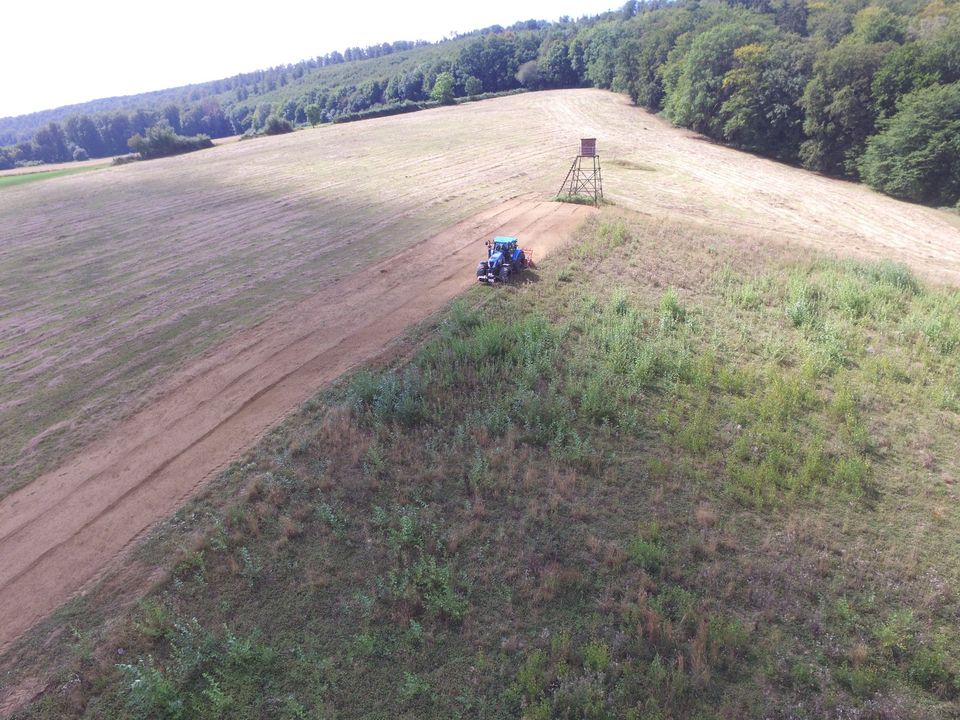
[{"x": 122, "y": 289}]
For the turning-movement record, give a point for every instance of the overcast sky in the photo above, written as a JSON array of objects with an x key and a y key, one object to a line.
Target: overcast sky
[{"x": 68, "y": 51}]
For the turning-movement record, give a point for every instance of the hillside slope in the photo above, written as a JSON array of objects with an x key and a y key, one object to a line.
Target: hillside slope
[
  {"x": 679, "y": 473},
  {"x": 111, "y": 279},
  {"x": 115, "y": 278}
]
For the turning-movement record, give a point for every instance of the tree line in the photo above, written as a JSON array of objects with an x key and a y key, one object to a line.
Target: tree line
[{"x": 862, "y": 89}]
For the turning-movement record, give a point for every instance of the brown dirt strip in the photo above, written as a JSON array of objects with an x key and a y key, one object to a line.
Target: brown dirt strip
[{"x": 69, "y": 526}]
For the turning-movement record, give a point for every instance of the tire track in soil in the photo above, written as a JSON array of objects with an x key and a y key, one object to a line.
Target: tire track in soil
[{"x": 63, "y": 531}]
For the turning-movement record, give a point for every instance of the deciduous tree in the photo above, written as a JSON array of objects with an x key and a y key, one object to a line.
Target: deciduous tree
[
  {"x": 916, "y": 155},
  {"x": 838, "y": 102},
  {"x": 694, "y": 83},
  {"x": 760, "y": 112},
  {"x": 443, "y": 89}
]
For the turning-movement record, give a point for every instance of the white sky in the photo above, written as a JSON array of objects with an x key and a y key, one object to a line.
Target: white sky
[{"x": 62, "y": 52}]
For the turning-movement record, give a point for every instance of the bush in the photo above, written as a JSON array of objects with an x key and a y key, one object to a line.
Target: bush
[
  {"x": 277, "y": 125},
  {"x": 472, "y": 85},
  {"x": 162, "y": 141},
  {"x": 672, "y": 313},
  {"x": 443, "y": 89},
  {"x": 389, "y": 397},
  {"x": 151, "y": 693},
  {"x": 928, "y": 668},
  {"x": 596, "y": 656},
  {"x": 803, "y": 303}
]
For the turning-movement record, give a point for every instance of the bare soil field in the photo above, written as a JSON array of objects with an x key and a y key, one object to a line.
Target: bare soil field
[{"x": 120, "y": 290}]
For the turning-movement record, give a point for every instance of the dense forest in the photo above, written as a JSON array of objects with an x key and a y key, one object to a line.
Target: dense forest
[{"x": 862, "y": 89}]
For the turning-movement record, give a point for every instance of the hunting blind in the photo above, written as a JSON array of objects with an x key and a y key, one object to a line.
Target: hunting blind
[{"x": 584, "y": 177}]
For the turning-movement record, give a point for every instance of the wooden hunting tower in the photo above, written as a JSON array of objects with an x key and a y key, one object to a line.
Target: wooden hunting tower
[{"x": 584, "y": 177}]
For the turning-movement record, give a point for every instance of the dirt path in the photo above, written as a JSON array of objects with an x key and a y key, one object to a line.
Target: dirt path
[{"x": 63, "y": 530}]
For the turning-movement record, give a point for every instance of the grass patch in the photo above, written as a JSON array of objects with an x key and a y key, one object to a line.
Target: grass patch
[
  {"x": 580, "y": 199},
  {"x": 25, "y": 178},
  {"x": 630, "y": 165}
]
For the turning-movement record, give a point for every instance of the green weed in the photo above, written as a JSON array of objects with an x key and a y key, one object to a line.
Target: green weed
[
  {"x": 803, "y": 302},
  {"x": 596, "y": 656},
  {"x": 646, "y": 553},
  {"x": 672, "y": 312},
  {"x": 413, "y": 686}
]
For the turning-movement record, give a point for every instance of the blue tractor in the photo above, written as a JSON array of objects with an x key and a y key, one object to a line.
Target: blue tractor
[{"x": 504, "y": 258}]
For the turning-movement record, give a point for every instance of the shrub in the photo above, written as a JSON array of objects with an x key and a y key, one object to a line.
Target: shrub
[
  {"x": 413, "y": 686},
  {"x": 897, "y": 634},
  {"x": 614, "y": 234},
  {"x": 389, "y": 397},
  {"x": 155, "y": 619},
  {"x": 803, "y": 303},
  {"x": 580, "y": 697},
  {"x": 928, "y": 668},
  {"x": 889, "y": 272},
  {"x": 162, "y": 141},
  {"x": 277, "y": 125},
  {"x": 850, "y": 474},
  {"x": 862, "y": 682},
  {"x": 598, "y": 401},
  {"x": 435, "y": 583},
  {"x": 383, "y": 111},
  {"x": 151, "y": 693},
  {"x": 472, "y": 85},
  {"x": 443, "y": 89},
  {"x": 530, "y": 682}
]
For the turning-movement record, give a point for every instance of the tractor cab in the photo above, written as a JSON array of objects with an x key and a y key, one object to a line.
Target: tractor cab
[{"x": 506, "y": 246}]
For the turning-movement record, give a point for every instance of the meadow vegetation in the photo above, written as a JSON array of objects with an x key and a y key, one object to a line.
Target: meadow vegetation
[
  {"x": 674, "y": 473},
  {"x": 40, "y": 174}
]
